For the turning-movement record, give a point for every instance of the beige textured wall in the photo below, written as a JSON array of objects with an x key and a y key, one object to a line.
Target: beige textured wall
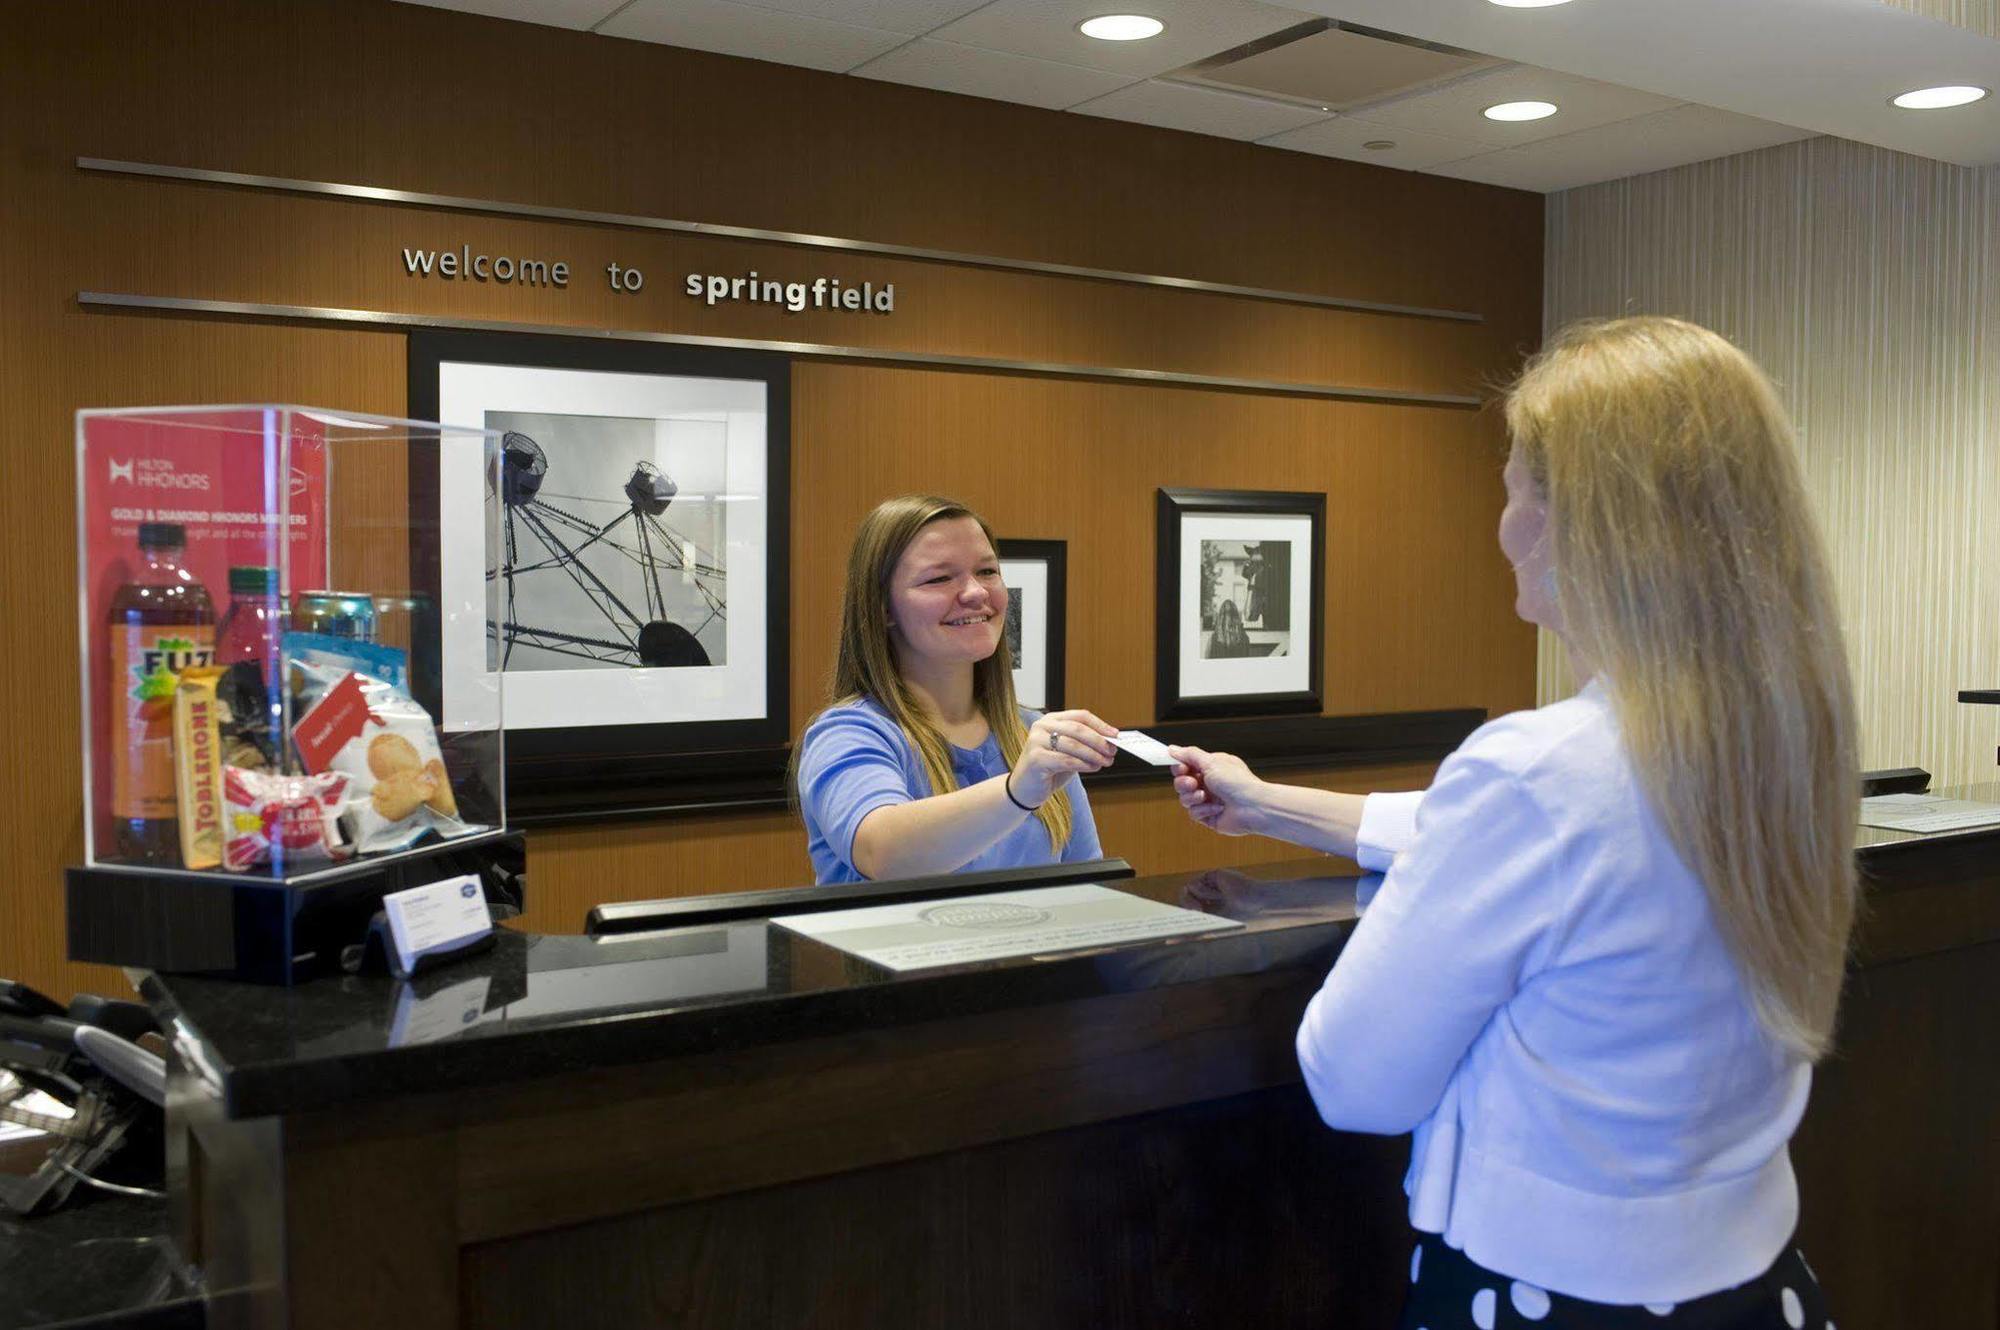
[
  {"x": 1867, "y": 283},
  {"x": 1980, "y": 16}
]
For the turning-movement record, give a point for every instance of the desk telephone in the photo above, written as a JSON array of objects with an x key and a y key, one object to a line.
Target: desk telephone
[{"x": 78, "y": 1074}]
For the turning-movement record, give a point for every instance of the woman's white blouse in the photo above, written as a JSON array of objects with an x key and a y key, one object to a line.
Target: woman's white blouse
[{"x": 1539, "y": 991}]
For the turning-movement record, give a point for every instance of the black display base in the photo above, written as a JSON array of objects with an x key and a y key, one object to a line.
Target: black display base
[
  {"x": 263, "y": 930},
  {"x": 1898, "y": 780}
]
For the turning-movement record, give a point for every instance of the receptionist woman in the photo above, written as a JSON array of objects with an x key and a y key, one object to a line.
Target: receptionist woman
[{"x": 923, "y": 762}]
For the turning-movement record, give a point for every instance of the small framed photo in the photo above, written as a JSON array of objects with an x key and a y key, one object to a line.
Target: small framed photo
[
  {"x": 1242, "y": 584},
  {"x": 640, "y": 597},
  {"x": 1037, "y": 578}
]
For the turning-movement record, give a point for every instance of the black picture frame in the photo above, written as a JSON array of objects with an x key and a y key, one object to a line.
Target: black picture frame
[
  {"x": 577, "y": 771},
  {"x": 1185, "y": 680},
  {"x": 1053, "y": 555}
]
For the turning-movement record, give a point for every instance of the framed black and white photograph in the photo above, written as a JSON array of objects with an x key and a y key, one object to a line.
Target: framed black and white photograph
[
  {"x": 1241, "y": 583},
  {"x": 640, "y": 589},
  {"x": 1037, "y": 578}
]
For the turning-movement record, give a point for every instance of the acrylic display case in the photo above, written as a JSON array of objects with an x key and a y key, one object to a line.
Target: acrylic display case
[{"x": 262, "y": 602}]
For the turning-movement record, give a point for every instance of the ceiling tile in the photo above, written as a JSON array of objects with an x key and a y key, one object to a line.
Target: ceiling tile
[
  {"x": 913, "y": 18},
  {"x": 948, "y": 67},
  {"x": 1339, "y": 68},
  {"x": 1644, "y": 143},
  {"x": 1830, "y": 66},
  {"x": 1454, "y": 109},
  {"x": 1178, "y": 106},
  {"x": 1046, "y": 30},
  {"x": 753, "y": 31},
  {"x": 1344, "y": 135},
  {"x": 553, "y": 13}
]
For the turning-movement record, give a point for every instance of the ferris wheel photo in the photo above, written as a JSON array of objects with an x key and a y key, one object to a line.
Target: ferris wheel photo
[{"x": 613, "y": 540}]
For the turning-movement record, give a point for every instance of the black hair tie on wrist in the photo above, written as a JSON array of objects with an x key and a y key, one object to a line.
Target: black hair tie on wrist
[{"x": 1007, "y": 784}]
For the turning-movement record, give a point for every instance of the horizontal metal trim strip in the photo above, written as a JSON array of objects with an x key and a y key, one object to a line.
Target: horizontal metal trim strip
[
  {"x": 613, "y": 919},
  {"x": 414, "y": 199},
  {"x": 390, "y": 319}
]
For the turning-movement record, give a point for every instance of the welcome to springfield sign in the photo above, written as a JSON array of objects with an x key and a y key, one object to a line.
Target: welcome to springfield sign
[{"x": 464, "y": 264}]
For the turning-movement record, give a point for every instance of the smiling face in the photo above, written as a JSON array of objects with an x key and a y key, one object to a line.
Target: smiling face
[
  {"x": 1524, "y": 539},
  {"x": 947, "y": 602}
]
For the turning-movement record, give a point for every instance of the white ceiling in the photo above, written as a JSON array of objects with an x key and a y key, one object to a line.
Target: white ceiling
[{"x": 1642, "y": 84}]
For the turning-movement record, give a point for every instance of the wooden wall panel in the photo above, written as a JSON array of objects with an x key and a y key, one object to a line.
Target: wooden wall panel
[
  {"x": 251, "y": 245},
  {"x": 414, "y": 98},
  {"x": 403, "y": 96},
  {"x": 1418, "y": 598}
]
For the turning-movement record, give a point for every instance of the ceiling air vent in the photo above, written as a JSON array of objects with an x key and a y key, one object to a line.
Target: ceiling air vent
[{"x": 1326, "y": 63}]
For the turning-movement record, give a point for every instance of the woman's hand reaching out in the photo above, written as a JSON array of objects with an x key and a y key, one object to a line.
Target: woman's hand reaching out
[
  {"x": 1217, "y": 790},
  {"x": 1060, "y": 745}
]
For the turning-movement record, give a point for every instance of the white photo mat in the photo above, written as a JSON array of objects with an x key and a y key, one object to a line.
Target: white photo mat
[
  {"x": 557, "y": 698},
  {"x": 1030, "y": 577},
  {"x": 1289, "y": 673}
]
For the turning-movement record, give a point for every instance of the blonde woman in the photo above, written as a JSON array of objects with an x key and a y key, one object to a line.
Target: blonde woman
[
  {"x": 923, "y": 763},
  {"x": 1610, "y": 941}
]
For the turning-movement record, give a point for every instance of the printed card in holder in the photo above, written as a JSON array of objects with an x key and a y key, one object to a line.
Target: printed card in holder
[{"x": 434, "y": 922}]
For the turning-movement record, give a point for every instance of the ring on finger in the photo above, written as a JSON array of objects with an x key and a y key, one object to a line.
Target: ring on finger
[{"x": 1053, "y": 736}]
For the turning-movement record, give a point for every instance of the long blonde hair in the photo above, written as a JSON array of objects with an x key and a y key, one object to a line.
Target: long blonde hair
[
  {"x": 866, "y": 663},
  {"x": 1691, "y": 575}
]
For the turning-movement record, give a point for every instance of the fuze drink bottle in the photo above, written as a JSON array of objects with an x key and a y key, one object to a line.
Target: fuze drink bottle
[{"x": 161, "y": 622}]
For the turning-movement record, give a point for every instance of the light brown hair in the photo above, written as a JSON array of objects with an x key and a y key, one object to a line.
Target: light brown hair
[
  {"x": 865, "y": 665},
  {"x": 1691, "y": 575}
]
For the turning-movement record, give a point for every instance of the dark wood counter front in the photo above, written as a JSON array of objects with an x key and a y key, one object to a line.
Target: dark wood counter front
[{"x": 735, "y": 1126}]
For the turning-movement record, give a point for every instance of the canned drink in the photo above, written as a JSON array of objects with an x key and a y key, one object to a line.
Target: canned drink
[{"x": 335, "y": 613}]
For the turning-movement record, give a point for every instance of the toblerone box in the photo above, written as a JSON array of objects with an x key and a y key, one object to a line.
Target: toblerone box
[{"x": 198, "y": 717}]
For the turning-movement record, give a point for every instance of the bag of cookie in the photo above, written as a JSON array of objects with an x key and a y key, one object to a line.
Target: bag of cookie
[{"x": 377, "y": 736}]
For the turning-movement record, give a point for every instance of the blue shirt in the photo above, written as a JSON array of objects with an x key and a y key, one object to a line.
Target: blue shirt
[
  {"x": 854, "y": 759},
  {"x": 1541, "y": 992}
]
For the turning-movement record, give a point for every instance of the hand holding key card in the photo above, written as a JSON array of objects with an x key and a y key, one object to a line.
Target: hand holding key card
[{"x": 1060, "y": 745}]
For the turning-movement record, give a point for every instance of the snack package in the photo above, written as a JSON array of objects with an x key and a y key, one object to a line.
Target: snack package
[
  {"x": 377, "y": 736},
  {"x": 286, "y": 819},
  {"x": 389, "y": 664},
  {"x": 250, "y": 729},
  {"x": 199, "y": 715}
]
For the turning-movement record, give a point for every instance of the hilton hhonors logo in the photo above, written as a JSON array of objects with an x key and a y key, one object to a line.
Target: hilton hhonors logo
[{"x": 158, "y": 473}]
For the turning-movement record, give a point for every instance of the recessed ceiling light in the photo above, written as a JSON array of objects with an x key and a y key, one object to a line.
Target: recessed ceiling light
[
  {"x": 1121, "y": 27},
  {"x": 1932, "y": 99},
  {"x": 1520, "y": 111},
  {"x": 1528, "y": 4},
  {"x": 1379, "y": 145}
]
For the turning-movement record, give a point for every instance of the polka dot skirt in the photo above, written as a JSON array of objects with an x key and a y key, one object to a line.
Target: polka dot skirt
[{"x": 1449, "y": 1292}]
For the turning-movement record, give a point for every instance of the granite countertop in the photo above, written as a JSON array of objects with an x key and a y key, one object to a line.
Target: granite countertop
[
  {"x": 537, "y": 1003},
  {"x": 1873, "y": 840},
  {"x": 97, "y": 1261}
]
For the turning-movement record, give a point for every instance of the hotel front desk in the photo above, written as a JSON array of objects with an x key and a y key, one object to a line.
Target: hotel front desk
[{"x": 727, "y": 1124}]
